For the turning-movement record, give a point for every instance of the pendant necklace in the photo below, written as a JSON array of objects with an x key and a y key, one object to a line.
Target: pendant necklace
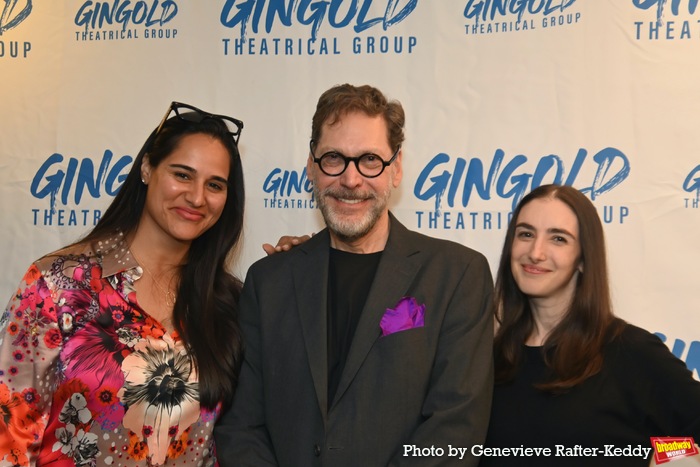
[{"x": 169, "y": 294}]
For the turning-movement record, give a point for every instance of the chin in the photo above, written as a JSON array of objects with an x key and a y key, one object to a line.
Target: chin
[
  {"x": 348, "y": 233},
  {"x": 187, "y": 237},
  {"x": 530, "y": 291}
]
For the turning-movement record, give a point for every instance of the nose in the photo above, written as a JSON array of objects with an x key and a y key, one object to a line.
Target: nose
[
  {"x": 537, "y": 251},
  {"x": 195, "y": 195},
  {"x": 351, "y": 178}
]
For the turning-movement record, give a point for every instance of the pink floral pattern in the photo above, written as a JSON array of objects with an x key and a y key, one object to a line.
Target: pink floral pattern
[{"x": 89, "y": 378}]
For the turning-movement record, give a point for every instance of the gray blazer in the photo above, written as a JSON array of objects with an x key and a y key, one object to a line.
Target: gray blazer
[{"x": 425, "y": 387}]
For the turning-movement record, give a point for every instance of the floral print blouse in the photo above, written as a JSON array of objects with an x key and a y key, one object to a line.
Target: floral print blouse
[{"x": 89, "y": 378}]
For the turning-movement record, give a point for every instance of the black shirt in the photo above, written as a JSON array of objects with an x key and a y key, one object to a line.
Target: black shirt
[
  {"x": 350, "y": 276},
  {"x": 641, "y": 391}
]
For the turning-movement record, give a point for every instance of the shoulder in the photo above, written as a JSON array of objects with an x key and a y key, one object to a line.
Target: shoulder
[
  {"x": 70, "y": 251},
  {"x": 438, "y": 249},
  {"x": 67, "y": 260},
  {"x": 635, "y": 339},
  {"x": 448, "y": 247},
  {"x": 310, "y": 250},
  {"x": 640, "y": 349},
  {"x": 651, "y": 372}
]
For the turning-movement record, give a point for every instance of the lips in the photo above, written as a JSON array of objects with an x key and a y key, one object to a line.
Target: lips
[
  {"x": 347, "y": 198},
  {"x": 531, "y": 269},
  {"x": 189, "y": 214},
  {"x": 351, "y": 204},
  {"x": 349, "y": 201}
]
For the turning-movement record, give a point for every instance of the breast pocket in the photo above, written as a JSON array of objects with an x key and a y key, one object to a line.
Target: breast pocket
[{"x": 404, "y": 354}]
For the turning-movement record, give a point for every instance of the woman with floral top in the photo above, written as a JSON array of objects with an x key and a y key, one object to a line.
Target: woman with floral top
[{"x": 123, "y": 348}]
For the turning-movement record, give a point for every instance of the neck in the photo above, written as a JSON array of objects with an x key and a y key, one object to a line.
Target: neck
[
  {"x": 546, "y": 316},
  {"x": 158, "y": 257}
]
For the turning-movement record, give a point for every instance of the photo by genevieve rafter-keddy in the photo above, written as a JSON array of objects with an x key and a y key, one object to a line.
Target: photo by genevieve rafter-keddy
[{"x": 661, "y": 450}]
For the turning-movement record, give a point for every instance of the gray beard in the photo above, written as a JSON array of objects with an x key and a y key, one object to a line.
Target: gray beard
[{"x": 345, "y": 230}]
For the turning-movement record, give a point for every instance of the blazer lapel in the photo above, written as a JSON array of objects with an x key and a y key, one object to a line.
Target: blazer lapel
[
  {"x": 310, "y": 278},
  {"x": 393, "y": 278}
]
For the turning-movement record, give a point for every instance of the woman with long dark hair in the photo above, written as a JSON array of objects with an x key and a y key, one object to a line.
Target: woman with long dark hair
[
  {"x": 123, "y": 348},
  {"x": 570, "y": 376}
]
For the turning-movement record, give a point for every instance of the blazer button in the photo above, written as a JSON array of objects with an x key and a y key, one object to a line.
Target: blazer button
[{"x": 317, "y": 450}]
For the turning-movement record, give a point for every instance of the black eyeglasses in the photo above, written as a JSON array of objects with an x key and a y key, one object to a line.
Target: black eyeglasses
[
  {"x": 190, "y": 113},
  {"x": 369, "y": 165}
]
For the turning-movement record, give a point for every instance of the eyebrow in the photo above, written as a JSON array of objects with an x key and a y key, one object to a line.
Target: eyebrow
[
  {"x": 554, "y": 230},
  {"x": 187, "y": 168},
  {"x": 361, "y": 153}
]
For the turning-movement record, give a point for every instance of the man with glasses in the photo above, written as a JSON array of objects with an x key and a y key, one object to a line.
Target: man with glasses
[{"x": 367, "y": 345}]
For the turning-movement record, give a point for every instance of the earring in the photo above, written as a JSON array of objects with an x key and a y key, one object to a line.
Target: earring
[{"x": 144, "y": 182}]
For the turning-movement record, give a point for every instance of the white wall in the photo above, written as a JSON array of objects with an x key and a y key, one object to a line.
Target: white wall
[{"x": 601, "y": 94}]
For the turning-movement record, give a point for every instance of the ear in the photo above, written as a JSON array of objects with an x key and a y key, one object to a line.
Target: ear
[
  {"x": 145, "y": 170},
  {"x": 310, "y": 168},
  {"x": 580, "y": 267},
  {"x": 397, "y": 169}
]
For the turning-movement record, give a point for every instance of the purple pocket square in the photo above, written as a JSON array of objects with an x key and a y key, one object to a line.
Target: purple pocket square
[{"x": 408, "y": 314}]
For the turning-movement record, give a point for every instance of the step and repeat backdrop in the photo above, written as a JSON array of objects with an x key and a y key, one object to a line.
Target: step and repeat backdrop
[{"x": 500, "y": 95}]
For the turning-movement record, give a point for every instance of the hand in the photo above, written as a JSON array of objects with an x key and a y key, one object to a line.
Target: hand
[{"x": 285, "y": 243}]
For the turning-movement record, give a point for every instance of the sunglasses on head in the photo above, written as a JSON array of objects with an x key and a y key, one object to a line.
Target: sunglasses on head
[{"x": 189, "y": 113}]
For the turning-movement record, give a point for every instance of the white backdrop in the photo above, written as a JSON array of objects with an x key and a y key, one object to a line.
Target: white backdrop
[{"x": 500, "y": 96}]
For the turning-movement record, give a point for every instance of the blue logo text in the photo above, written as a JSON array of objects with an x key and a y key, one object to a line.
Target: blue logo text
[
  {"x": 51, "y": 180},
  {"x": 509, "y": 179},
  {"x": 97, "y": 14},
  {"x": 338, "y": 13}
]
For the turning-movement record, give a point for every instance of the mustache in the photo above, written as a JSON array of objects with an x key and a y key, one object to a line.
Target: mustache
[{"x": 348, "y": 194}]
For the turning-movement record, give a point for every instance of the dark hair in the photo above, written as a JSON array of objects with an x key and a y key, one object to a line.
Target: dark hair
[
  {"x": 205, "y": 314},
  {"x": 344, "y": 98},
  {"x": 573, "y": 350}
]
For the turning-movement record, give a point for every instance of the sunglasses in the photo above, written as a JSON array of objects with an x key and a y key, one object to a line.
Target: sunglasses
[{"x": 189, "y": 113}]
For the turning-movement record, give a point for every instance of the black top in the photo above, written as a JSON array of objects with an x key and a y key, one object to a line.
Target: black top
[
  {"x": 350, "y": 277},
  {"x": 642, "y": 390}
]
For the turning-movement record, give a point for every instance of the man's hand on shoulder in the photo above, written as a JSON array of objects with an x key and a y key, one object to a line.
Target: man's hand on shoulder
[{"x": 285, "y": 243}]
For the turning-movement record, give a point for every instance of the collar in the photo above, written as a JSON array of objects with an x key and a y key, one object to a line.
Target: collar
[{"x": 115, "y": 255}]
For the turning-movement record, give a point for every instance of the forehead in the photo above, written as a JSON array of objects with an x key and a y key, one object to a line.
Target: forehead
[
  {"x": 201, "y": 152},
  {"x": 549, "y": 213},
  {"x": 355, "y": 131}
]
